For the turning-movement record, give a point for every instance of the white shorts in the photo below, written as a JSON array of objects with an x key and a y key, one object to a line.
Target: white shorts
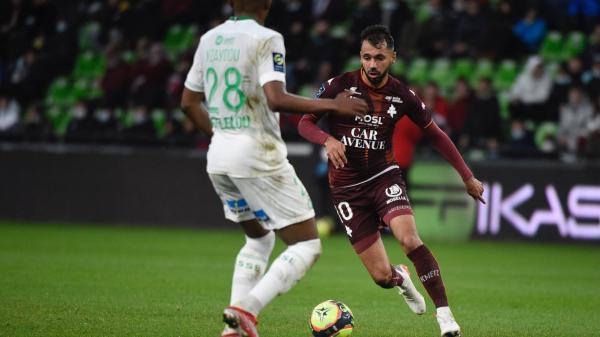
[{"x": 276, "y": 201}]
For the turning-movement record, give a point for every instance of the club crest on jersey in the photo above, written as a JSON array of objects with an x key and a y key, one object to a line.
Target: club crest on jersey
[
  {"x": 353, "y": 91},
  {"x": 392, "y": 111},
  {"x": 278, "y": 62}
]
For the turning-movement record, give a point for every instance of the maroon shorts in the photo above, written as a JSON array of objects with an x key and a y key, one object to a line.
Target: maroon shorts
[{"x": 366, "y": 208}]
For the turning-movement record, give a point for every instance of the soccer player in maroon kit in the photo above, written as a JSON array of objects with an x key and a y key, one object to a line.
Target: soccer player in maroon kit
[{"x": 366, "y": 184}]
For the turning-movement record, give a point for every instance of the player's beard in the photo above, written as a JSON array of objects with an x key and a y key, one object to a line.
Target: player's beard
[{"x": 375, "y": 80}]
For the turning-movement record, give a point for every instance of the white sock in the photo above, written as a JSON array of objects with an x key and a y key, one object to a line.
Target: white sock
[
  {"x": 250, "y": 265},
  {"x": 284, "y": 273}
]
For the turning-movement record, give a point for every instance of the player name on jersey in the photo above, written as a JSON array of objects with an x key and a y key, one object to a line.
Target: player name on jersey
[
  {"x": 231, "y": 122},
  {"x": 223, "y": 55}
]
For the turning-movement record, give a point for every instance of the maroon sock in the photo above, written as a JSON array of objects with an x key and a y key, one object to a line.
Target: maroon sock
[
  {"x": 396, "y": 280},
  {"x": 429, "y": 274}
]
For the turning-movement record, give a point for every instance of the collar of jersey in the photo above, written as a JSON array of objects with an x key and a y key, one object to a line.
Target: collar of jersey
[{"x": 240, "y": 18}]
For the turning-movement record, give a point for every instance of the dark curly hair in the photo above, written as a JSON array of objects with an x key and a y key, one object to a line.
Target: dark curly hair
[{"x": 376, "y": 35}]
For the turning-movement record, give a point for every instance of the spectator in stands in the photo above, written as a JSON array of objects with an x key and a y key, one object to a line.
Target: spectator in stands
[
  {"x": 141, "y": 131},
  {"x": 35, "y": 126},
  {"x": 400, "y": 19},
  {"x": 10, "y": 112},
  {"x": 530, "y": 92},
  {"x": 562, "y": 81},
  {"x": 471, "y": 32},
  {"x": 575, "y": 69},
  {"x": 483, "y": 123},
  {"x": 28, "y": 77},
  {"x": 592, "y": 49},
  {"x": 367, "y": 13},
  {"x": 574, "y": 119},
  {"x": 591, "y": 78},
  {"x": 435, "y": 31},
  {"x": 583, "y": 14},
  {"x": 116, "y": 80},
  {"x": 592, "y": 146},
  {"x": 175, "y": 82},
  {"x": 81, "y": 127},
  {"x": 530, "y": 30},
  {"x": 458, "y": 107},
  {"x": 520, "y": 141},
  {"x": 105, "y": 125},
  {"x": 149, "y": 77},
  {"x": 329, "y": 10},
  {"x": 437, "y": 103},
  {"x": 405, "y": 139}
]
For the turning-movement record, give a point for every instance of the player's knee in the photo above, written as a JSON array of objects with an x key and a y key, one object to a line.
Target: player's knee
[
  {"x": 310, "y": 250},
  {"x": 410, "y": 242},
  {"x": 263, "y": 245}
]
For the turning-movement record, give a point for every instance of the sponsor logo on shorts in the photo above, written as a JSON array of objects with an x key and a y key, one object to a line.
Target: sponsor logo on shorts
[
  {"x": 393, "y": 191},
  {"x": 395, "y": 194},
  {"x": 238, "y": 206},
  {"x": 261, "y": 215}
]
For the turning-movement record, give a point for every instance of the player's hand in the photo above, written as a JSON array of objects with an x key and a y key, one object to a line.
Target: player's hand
[
  {"x": 348, "y": 105},
  {"x": 475, "y": 189},
  {"x": 336, "y": 152}
]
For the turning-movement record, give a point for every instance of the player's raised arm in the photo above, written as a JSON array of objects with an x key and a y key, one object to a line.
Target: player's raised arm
[
  {"x": 442, "y": 143},
  {"x": 280, "y": 100}
]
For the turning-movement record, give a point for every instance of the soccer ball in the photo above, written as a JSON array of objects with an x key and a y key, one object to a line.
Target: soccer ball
[{"x": 331, "y": 318}]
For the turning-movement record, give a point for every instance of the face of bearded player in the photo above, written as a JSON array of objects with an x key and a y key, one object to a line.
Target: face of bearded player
[{"x": 376, "y": 61}]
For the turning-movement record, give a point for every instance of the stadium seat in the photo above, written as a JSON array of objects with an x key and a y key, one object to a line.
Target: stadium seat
[
  {"x": 128, "y": 57},
  {"x": 59, "y": 118},
  {"x": 575, "y": 43},
  {"x": 307, "y": 90},
  {"x": 552, "y": 48},
  {"x": 545, "y": 132},
  {"x": 505, "y": 75},
  {"x": 124, "y": 117},
  {"x": 89, "y": 65},
  {"x": 173, "y": 40},
  {"x": 159, "y": 120},
  {"x": 86, "y": 89},
  {"x": 483, "y": 68},
  {"x": 179, "y": 38},
  {"x": 440, "y": 72},
  {"x": 503, "y": 102},
  {"x": 352, "y": 63},
  {"x": 340, "y": 30},
  {"x": 463, "y": 68},
  {"x": 398, "y": 68},
  {"x": 60, "y": 93},
  {"x": 418, "y": 71},
  {"x": 88, "y": 33}
]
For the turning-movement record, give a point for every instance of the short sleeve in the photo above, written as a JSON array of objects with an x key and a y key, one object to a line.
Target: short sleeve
[
  {"x": 271, "y": 60},
  {"x": 328, "y": 89},
  {"x": 194, "y": 80}
]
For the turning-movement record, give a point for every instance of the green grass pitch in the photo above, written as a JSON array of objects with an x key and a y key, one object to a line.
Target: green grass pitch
[{"x": 66, "y": 280}]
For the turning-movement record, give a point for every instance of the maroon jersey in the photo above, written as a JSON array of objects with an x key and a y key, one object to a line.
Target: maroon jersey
[{"x": 368, "y": 139}]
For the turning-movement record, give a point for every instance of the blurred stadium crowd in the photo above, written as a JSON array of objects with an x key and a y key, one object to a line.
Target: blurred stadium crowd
[{"x": 503, "y": 78}]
